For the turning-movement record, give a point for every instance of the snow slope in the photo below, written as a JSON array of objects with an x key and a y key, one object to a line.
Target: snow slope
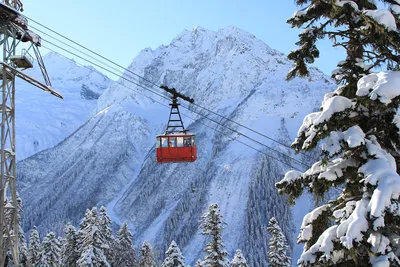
[
  {"x": 110, "y": 159},
  {"x": 44, "y": 120}
]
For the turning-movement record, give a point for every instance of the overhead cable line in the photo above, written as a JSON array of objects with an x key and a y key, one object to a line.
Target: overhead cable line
[
  {"x": 162, "y": 96},
  {"x": 156, "y": 85},
  {"x": 197, "y": 121},
  {"x": 197, "y": 112}
]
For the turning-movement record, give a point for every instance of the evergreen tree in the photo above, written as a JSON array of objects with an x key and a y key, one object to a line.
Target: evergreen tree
[
  {"x": 239, "y": 260},
  {"x": 91, "y": 240},
  {"x": 70, "y": 248},
  {"x": 34, "y": 248},
  {"x": 51, "y": 251},
  {"x": 125, "y": 254},
  {"x": 199, "y": 263},
  {"x": 105, "y": 228},
  {"x": 146, "y": 257},
  {"x": 23, "y": 250},
  {"x": 174, "y": 257},
  {"x": 84, "y": 223},
  {"x": 86, "y": 218},
  {"x": 211, "y": 224},
  {"x": 358, "y": 128},
  {"x": 278, "y": 247}
]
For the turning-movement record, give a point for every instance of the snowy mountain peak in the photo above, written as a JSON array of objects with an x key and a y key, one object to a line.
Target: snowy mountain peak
[{"x": 191, "y": 51}]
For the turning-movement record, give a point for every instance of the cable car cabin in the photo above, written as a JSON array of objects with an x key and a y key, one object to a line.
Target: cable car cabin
[{"x": 176, "y": 147}]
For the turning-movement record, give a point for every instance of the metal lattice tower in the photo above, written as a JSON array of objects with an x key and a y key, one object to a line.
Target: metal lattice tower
[
  {"x": 13, "y": 32},
  {"x": 175, "y": 120}
]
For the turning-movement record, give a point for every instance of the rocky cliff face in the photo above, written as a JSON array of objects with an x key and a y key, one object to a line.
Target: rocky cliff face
[{"x": 110, "y": 160}]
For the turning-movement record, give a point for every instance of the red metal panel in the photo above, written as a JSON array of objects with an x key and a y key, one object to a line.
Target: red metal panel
[{"x": 176, "y": 154}]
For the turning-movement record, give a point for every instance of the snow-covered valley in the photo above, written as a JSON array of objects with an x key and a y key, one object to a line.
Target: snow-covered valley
[{"x": 110, "y": 158}]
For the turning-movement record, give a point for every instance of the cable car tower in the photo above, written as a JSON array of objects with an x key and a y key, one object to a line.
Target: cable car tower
[{"x": 13, "y": 32}]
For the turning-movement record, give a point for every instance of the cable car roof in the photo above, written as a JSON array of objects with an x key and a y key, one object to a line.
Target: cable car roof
[{"x": 185, "y": 133}]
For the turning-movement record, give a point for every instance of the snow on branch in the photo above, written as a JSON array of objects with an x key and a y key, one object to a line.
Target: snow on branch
[
  {"x": 330, "y": 107},
  {"x": 395, "y": 9},
  {"x": 325, "y": 244},
  {"x": 382, "y": 86},
  {"x": 383, "y": 17},
  {"x": 298, "y": 14},
  {"x": 307, "y": 224},
  {"x": 379, "y": 172},
  {"x": 341, "y": 3}
]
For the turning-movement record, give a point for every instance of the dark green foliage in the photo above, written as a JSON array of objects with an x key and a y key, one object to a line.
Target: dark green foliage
[{"x": 368, "y": 45}]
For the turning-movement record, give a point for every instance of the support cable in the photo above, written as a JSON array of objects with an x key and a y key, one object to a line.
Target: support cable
[
  {"x": 162, "y": 96},
  {"x": 197, "y": 121},
  {"x": 194, "y": 111},
  {"x": 154, "y": 84}
]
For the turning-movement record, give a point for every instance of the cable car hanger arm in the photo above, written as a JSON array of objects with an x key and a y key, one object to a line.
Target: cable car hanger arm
[{"x": 176, "y": 94}]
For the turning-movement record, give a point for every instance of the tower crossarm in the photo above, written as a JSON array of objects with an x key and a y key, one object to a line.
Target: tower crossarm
[
  {"x": 176, "y": 94},
  {"x": 30, "y": 80}
]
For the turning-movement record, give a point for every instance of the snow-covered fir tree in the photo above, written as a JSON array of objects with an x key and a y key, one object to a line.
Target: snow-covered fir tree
[
  {"x": 278, "y": 247},
  {"x": 23, "y": 250},
  {"x": 199, "y": 263},
  {"x": 51, "y": 251},
  {"x": 69, "y": 253},
  {"x": 105, "y": 228},
  {"x": 86, "y": 218},
  {"x": 124, "y": 252},
  {"x": 91, "y": 240},
  {"x": 146, "y": 256},
  {"x": 239, "y": 260},
  {"x": 34, "y": 248},
  {"x": 173, "y": 257},
  {"x": 211, "y": 225},
  {"x": 358, "y": 128},
  {"x": 81, "y": 231}
]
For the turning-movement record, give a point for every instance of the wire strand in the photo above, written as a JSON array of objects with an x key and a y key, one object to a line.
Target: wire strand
[
  {"x": 194, "y": 120},
  {"x": 154, "y": 84},
  {"x": 162, "y": 96}
]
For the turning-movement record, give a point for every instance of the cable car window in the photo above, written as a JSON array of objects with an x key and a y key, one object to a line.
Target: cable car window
[
  {"x": 186, "y": 141},
  {"x": 179, "y": 140},
  {"x": 193, "y": 140},
  {"x": 158, "y": 143},
  {"x": 172, "y": 142},
  {"x": 164, "y": 141}
]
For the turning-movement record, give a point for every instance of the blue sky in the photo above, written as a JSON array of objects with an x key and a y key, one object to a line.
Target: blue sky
[{"x": 119, "y": 29}]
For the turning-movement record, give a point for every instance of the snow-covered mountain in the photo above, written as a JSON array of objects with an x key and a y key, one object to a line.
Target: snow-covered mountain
[
  {"x": 44, "y": 120},
  {"x": 110, "y": 160}
]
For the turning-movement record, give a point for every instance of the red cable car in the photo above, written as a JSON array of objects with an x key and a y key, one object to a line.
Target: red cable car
[{"x": 175, "y": 145}]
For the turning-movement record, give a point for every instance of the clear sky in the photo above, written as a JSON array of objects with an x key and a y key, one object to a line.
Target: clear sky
[{"x": 119, "y": 29}]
